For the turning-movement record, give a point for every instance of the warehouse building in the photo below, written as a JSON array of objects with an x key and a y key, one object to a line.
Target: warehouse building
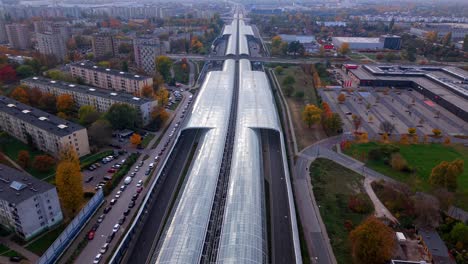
[
  {"x": 109, "y": 79},
  {"x": 47, "y": 132},
  {"x": 27, "y": 205},
  {"x": 100, "y": 99},
  {"x": 359, "y": 43}
]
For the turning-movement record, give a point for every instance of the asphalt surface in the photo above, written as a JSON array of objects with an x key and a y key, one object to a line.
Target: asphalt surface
[
  {"x": 281, "y": 239},
  {"x": 163, "y": 195}
]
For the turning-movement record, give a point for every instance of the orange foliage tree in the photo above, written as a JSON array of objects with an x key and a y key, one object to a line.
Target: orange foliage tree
[
  {"x": 23, "y": 158},
  {"x": 147, "y": 91},
  {"x": 20, "y": 95},
  {"x": 43, "y": 163},
  {"x": 341, "y": 98},
  {"x": 65, "y": 103},
  {"x": 135, "y": 139}
]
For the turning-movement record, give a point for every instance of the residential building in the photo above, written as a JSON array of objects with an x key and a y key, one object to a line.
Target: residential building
[
  {"x": 3, "y": 33},
  {"x": 435, "y": 247},
  {"x": 27, "y": 204},
  {"x": 146, "y": 49},
  {"x": 51, "y": 44},
  {"x": 104, "y": 45},
  {"x": 61, "y": 28},
  {"x": 100, "y": 99},
  {"x": 47, "y": 132},
  {"x": 458, "y": 30},
  {"x": 108, "y": 78},
  {"x": 18, "y": 36},
  {"x": 356, "y": 43}
]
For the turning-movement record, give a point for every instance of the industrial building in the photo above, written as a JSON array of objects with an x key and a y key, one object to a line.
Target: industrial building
[
  {"x": 100, "y": 99},
  {"x": 356, "y": 43},
  {"x": 47, "y": 132},
  {"x": 27, "y": 205},
  {"x": 446, "y": 86},
  {"x": 109, "y": 79}
]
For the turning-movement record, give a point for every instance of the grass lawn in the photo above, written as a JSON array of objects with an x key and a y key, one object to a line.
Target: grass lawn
[
  {"x": 422, "y": 158},
  {"x": 7, "y": 252},
  {"x": 147, "y": 140},
  {"x": 333, "y": 185},
  {"x": 42, "y": 243},
  {"x": 181, "y": 75},
  {"x": 304, "y": 135},
  {"x": 11, "y": 146}
]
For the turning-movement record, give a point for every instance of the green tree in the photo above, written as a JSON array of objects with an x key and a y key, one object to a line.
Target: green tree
[
  {"x": 163, "y": 66},
  {"x": 296, "y": 48},
  {"x": 445, "y": 40},
  {"x": 459, "y": 234},
  {"x": 25, "y": 71},
  {"x": 279, "y": 70},
  {"x": 289, "y": 80},
  {"x": 288, "y": 90},
  {"x": 299, "y": 94},
  {"x": 87, "y": 115},
  {"x": 445, "y": 174},
  {"x": 68, "y": 180},
  {"x": 100, "y": 132},
  {"x": 411, "y": 53},
  {"x": 333, "y": 125},
  {"x": 122, "y": 116},
  {"x": 124, "y": 66}
]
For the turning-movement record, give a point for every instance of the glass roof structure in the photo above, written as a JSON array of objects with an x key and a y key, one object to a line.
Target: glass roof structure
[
  {"x": 231, "y": 30},
  {"x": 184, "y": 235}
]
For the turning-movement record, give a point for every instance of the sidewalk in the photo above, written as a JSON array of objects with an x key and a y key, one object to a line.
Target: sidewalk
[{"x": 32, "y": 257}]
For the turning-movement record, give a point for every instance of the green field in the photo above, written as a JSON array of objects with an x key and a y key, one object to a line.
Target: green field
[
  {"x": 7, "y": 252},
  {"x": 147, "y": 139},
  {"x": 333, "y": 185},
  {"x": 43, "y": 242},
  {"x": 422, "y": 158}
]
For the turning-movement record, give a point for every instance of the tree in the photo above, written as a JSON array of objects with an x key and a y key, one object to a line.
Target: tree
[
  {"x": 344, "y": 49},
  {"x": 317, "y": 80},
  {"x": 387, "y": 127},
  {"x": 431, "y": 36},
  {"x": 65, "y": 103},
  {"x": 135, "y": 139},
  {"x": 289, "y": 80},
  {"x": 411, "y": 53},
  {"x": 384, "y": 138},
  {"x": 100, "y": 132},
  {"x": 311, "y": 115},
  {"x": 159, "y": 116},
  {"x": 459, "y": 234},
  {"x": 87, "y": 115},
  {"x": 322, "y": 51},
  {"x": 299, "y": 94},
  {"x": 124, "y": 66},
  {"x": 288, "y": 90},
  {"x": 276, "y": 42},
  {"x": 35, "y": 95},
  {"x": 25, "y": 71},
  {"x": 427, "y": 210},
  {"x": 357, "y": 121},
  {"x": 404, "y": 140},
  {"x": 372, "y": 242},
  {"x": 390, "y": 56},
  {"x": 162, "y": 96},
  {"x": 43, "y": 163},
  {"x": 412, "y": 131},
  {"x": 341, "y": 98},
  {"x": 48, "y": 103},
  {"x": 163, "y": 66},
  {"x": 7, "y": 74},
  {"x": 437, "y": 132},
  {"x": 147, "y": 91},
  {"x": 333, "y": 125},
  {"x": 446, "y": 173},
  {"x": 279, "y": 70},
  {"x": 398, "y": 162},
  {"x": 327, "y": 112},
  {"x": 296, "y": 48},
  {"x": 23, "y": 158},
  {"x": 445, "y": 40},
  {"x": 363, "y": 138},
  {"x": 196, "y": 45},
  {"x": 68, "y": 180},
  {"x": 122, "y": 116},
  {"x": 20, "y": 95}
]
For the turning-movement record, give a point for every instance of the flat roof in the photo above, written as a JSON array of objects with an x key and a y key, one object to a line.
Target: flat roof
[
  {"x": 17, "y": 186},
  {"x": 38, "y": 118},
  {"x": 434, "y": 243},
  {"x": 357, "y": 39},
  {"x": 92, "y": 66},
  {"x": 85, "y": 89}
]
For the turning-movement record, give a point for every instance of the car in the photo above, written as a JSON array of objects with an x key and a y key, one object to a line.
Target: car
[
  {"x": 191, "y": 96},
  {"x": 107, "y": 209},
  {"x": 97, "y": 165},
  {"x": 156, "y": 158},
  {"x": 117, "y": 165},
  {"x": 128, "y": 180},
  {"x": 97, "y": 258},
  {"x": 136, "y": 169},
  {"x": 110, "y": 237},
  {"x": 122, "y": 188},
  {"x": 89, "y": 179},
  {"x": 160, "y": 153},
  {"x": 111, "y": 170},
  {"x": 108, "y": 177},
  {"x": 121, "y": 140},
  {"x": 141, "y": 163},
  {"x": 126, "y": 212},
  {"x": 116, "y": 228},
  {"x": 171, "y": 134},
  {"x": 15, "y": 259},
  {"x": 151, "y": 165},
  {"x": 131, "y": 204},
  {"x": 104, "y": 248},
  {"x": 95, "y": 227},
  {"x": 135, "y": 196},
  {"x": 123, "y": 161},
  {"x": 91, "y": 168},
  {"x": 132, "y": 174},
  {"x": 147, "y": 172},
  {"x": 182, "y": 116},
  {"x": 164, "y": 148},
  {"x": 113, "y": 201},
  {"x": 91, "y": 235},
  {"x": 98, "y": 187},
  {"x": 101, "y": 218},
  {"x": 122, "y": 220},
  {"x": 139, "y": 189},
  {"x": 117, "y": 195}
]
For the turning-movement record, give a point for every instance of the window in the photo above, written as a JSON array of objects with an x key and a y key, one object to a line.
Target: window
[{"x": 50, "y": 207}]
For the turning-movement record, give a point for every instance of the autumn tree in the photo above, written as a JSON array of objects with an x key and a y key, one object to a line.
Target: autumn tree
[
  {"x": 333, "y": 124},
  {"x": 7, "y": 74},
  {"x": 317, "y": 80},
  {"x": 387, "y": 127},
  {"x": 122, "y": 116},
  {"x": 196, "y": 46},
  {"x": 65, "y": 103},
  {"x": 431, "y": 36},
  {"x": 35, "y": 96},
  {"x": 427, "y": 210},
  {"x": 135, "y": 139},
  {"x": 372, "y": 242},
  {"x": 327, "y": 112},
  {"x": 436, "y": 132},
  {"x": 147, "y": 91},
  {"x": 398, "y": 162},
  {"x": 412, "y": 131},
  {"x": 445, "y": 40},
  {"x": 159, "y": 116},
  {"x": 162, "y": 96},
  {"x": 385, "y": 138},
  {"x": 344, "y": 49},
  {"x": 100, "y": 132},
  {"x": 163, "y": 66},
  {"x": 341, "y": 98},
  {"x": 363, "y": 138},
  {"x": 311, "y": 115},
  {"x": 69, "y": 182},
  {"x": 43, "y": 163},
  {"x": 20, "y": 95},
  {"x": 88, "y": 115},
  {"x": 279, "y": 70},
  {"x": 48, "y": 103},
  {"x": 404, "y": 140},
  {"x": 445, "y": 175},
  {"x": 23, "y": 159}
]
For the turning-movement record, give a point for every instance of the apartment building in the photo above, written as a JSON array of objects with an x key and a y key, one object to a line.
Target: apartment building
[
  {"x": 18, "y": 36},
  {"x": 27, "y": 205},
  {"x": 60, "y": 28},
  {"x": 146, "y": 49},
  {"x": 47, "y": 132},
  {"x": 109, "y": 79},
  {"x": 3, "y": 33},
  {"x": 100, "y": 99},
  {"x": 104, "y": 45},
  {"x": 51, "y": 44}
]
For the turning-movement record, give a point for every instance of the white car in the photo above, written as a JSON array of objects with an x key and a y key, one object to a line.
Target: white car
[
  {"x": 117, "y": 195},
  {"x": 140, "y": 183},
  {"x": 97, "y": 258},
  {"x": 156, "y": 158},
  {"x": 116, "y": 228},
  {"x": 104, "y": 248}
]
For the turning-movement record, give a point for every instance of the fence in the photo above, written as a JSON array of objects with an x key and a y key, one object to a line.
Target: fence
[{"x": 72, "y": 230}]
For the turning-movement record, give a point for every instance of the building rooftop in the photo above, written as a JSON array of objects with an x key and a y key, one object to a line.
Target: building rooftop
[
  {"x": 17, "y": 186},
  {"x": 92, "y": 66},
  {"x": 357, "y": 39},
  {"x": 434, "y": 243},
  {"x": 38, "y": 118},
  {"x": 84, "y": 89}
]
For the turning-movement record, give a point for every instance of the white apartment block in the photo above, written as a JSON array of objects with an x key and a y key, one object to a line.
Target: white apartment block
[
  {"x": 27, "y": 205},
  {"x": 100, "y": 99},
  {"x": 146, "y": 49},
  {"x": 51, "y": 44},
  {"x": 108, "y": 78},
  {"x": 47, "y": 132}
]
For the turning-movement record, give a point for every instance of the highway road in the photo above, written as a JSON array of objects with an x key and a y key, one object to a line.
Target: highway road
[{"x": 281, "y": 239}]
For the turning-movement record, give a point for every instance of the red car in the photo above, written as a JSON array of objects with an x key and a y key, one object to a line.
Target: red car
[
  {"x": 139, "y": 189},
  {"x": 111, "y": 170},
  {"x": 91, "y": 235}
]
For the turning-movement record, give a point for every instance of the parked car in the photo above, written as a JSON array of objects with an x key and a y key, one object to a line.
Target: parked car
[
  {"x": 110, "y": 237},
  {"x": 139, "y": 189},
  {"x": 97, "y": 259},
  {"x": 95, "y": 227},
  {"x": 111, "y": 170},
  {"x": 101, "y": 218},
  {"x": 107, "y": 209},
  {"x": 89, "y": 179},
  {"x": 132, "y": 174},
  {"x": 140, "y": 183},
  {"x": 113, "y": 201},
  {"x": 91, "y": 235},
  {"x": 117, "y": 195},
  {"x": 122, "y": 220},
  {"x": 122, "y": 188},
  {"x": 128, "y": 180},
  {"x": 147, "y": 172},
  {"x": 116, "y": 228},
  {"x": 131, "y": 204},
  {"x": 126, "y": 212},
  {"x": 104, "y": 248},
  {"x": 15, "y": 259},
  {"x": 135, "y": 196}
]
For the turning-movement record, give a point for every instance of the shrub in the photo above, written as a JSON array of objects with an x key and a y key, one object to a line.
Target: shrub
[
  {"x": 398, "y": 162},
  {"x": 436, "y": 132},
  {"x": 360, "y": 204}
]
